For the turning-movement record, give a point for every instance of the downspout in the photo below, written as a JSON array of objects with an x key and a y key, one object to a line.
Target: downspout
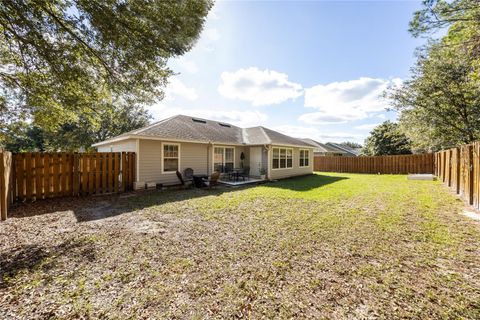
[
  {"x": 268, "y": 160},
  {"x": 209, "y": 149},
  {"x": 137, "y": 149}
]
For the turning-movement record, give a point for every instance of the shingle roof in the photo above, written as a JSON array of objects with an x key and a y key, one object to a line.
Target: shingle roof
[
  {"x": 255, "y": 135},
  {"x": 280, "y": 138},
  {"x": 353, "y": 152},
  {"x": 322, "y": 147},
  {"x": 196, "y": 129},
  {"x": 188, "y": 128}
]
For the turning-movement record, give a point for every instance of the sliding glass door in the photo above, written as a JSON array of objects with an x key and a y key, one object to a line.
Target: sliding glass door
[{"x": 223, "y": 159}]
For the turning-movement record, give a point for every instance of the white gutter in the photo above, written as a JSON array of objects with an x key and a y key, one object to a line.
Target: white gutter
[{"x": 161, "y": 139}]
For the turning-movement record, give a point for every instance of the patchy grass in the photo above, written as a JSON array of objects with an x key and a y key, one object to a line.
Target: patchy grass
[{"x": 323, "y": 246}]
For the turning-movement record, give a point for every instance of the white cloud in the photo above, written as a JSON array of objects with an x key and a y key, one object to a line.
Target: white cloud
[
  {"x": 341, "y": 137},
  {"x": 260, "y": 87},
  {"x": 186, "y": 64},
  {"x": 241, "y": 118},
  {"x": 345, "y": 101},
  {"x": 298, "y": 131},
  {"x": 367, "y": 126},
  {"x": 176, "y": 88},
  {"x": 211, "y": 34},
  {"x": 319, "y": 135},
  {"x": 208, "y": 38},
  {"x": 326, "y": 118}
]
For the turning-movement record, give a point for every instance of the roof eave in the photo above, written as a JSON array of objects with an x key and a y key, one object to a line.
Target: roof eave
[{"x": 144, "y": 137}]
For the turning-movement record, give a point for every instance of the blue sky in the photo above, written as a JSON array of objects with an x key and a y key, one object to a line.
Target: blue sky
[{"x": 306, "y": 68}]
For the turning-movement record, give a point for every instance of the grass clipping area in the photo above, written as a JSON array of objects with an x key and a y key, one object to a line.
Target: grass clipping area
[{"x": 330, "y": 246}]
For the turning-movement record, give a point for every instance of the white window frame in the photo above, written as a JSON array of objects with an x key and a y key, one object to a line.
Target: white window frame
[
  {"x": 222, "y": 147},
  {"x": 300, "y": 158},
  {"x": 163, "y": 157},
  {"x": 279, "y": 158}
]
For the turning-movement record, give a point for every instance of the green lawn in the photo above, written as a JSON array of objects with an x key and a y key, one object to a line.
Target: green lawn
[{"x": 323, "y": 246}]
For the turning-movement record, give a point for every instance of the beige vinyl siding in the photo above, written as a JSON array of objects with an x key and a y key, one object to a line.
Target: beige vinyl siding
[
  {"x": 192, "y": 155},
  {"x": 296, "y": 170},
  {"x": 129, "y": 145},
  {"x": 238, "y": 160}
]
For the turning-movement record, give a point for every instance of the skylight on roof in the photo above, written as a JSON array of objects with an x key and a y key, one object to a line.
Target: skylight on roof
[
  {"x": 199, "y": 120},
  {"x": 224, "y": 125}
]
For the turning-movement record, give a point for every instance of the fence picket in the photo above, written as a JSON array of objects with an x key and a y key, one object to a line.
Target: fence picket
[
  {"x": 35, "y": 176},
  {"x": 380, "y": 164}
]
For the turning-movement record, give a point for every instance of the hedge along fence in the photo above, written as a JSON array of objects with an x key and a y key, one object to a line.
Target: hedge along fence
[
  {"x": 459, "y": 169},
  {"x": 400, "y": 164},
  {"x": 36, "y": 176}
]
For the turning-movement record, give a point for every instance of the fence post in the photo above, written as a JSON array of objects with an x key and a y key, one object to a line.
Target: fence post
[
  {"x": 123, "y": 167},
  {"x": 448, "y": 167},
  {"x": 3, "y": 193},
  {"x": 76, "y": 174},
  {"x": 476, "y": 175},
  {"x": 5, "y": 183},
  {"x": 470, "y": 174}
]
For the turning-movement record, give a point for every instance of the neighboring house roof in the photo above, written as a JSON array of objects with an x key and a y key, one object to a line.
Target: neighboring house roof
[
  {"x": 186, "y": 128},
  {"x": 350, "y": 151},
  {"x": 322, "y": 147}
]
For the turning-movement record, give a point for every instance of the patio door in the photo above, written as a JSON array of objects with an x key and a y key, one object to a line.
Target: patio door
[
  {"x": 255, "y": 160},
  {"x": 223, "y": 159}
]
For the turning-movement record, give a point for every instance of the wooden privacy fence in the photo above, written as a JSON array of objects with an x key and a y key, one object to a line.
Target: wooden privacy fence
[
  {"x": 37, "y": 176},
  {"x": 401, "y": 164},
  {"x": 5, "y": 182},
  {"x": 459, "y": 169}
]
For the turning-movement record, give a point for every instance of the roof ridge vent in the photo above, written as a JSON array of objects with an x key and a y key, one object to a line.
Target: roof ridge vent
[
  {"x": 225, "y": 125},
  {"x": 198, "y": 120}
]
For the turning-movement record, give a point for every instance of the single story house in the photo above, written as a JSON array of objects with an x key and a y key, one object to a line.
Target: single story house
[
  {"x": 350, "y": 152},
  {"x": 182, "y": 142},
  {"x": 322, "y": 149}
]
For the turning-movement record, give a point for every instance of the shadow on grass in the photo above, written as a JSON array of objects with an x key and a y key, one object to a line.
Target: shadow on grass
[
  {"x": 30, "y": 257},
  {"x": 305, "y": 183},
  {"x": 90, "y": 208},
  {"x": 93, "y": 208}
]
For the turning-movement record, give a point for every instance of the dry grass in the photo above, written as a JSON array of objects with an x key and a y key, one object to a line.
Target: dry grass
[{"x": 341, "y": 246}]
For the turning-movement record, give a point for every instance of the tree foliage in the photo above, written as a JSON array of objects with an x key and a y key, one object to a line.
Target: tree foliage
[
  {"x": 440, "y": 104},
  {"x": 438, "y": 14},
  {"x": 24, "y": 137},
  {"x": 80, "y": 135},
  {"x": 351, "y": 144},
  {"x": 386, "y": 139},
  {"x": 70, "y": 61}
]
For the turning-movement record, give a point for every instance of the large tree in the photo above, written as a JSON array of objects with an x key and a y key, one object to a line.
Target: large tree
[
  {"x": 440, "y": 104},
  {"x": 462, "y": 16},
  {"x": 386, "y": 139},
  {"x": 64, "y": 60},
  {"x": 79, "y": 135}
]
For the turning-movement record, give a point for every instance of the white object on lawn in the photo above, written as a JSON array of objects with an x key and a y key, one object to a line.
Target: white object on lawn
[
  {"x": 422, "y": 176},
  {"x": 471, "y": 215}
]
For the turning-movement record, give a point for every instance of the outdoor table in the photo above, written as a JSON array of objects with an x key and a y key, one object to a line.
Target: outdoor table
[
  {"x": 235, "y": 172},
  {"x": 198, "y": 180}
]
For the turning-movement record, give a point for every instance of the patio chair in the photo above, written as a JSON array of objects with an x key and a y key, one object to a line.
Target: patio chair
[
  {"x": 213, "y": 180},
  {"x": 188, "y": 174},
  {"x": 183, "y": 182},
  {"x": 245, "y": 174},
  {"x": 227, "y": 172}
]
